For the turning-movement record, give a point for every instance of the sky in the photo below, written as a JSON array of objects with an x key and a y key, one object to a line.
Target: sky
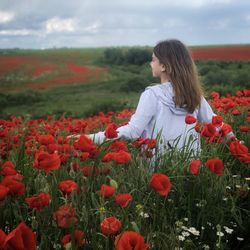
[{"x": 104, "y": 23}]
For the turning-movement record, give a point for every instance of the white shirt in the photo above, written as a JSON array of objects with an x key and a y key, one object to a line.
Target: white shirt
[{"x": 156, "y": 114}]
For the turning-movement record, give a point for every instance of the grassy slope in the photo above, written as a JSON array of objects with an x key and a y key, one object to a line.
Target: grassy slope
[{"x": 79, "y": 100}]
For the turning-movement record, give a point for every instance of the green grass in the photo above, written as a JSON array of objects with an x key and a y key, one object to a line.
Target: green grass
[{"x": 106, "y": 93}]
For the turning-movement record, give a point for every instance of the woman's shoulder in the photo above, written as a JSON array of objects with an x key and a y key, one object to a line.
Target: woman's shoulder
[{"x": 160, "y": 88}]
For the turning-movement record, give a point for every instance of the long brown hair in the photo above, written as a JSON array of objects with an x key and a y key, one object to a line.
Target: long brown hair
[{"x": 182, "y": 71}]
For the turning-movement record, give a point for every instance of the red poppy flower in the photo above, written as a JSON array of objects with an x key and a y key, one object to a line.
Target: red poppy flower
[
  {"x": 240, "y": 151},
  {"x": 117, "y": 146},
  {"x": 244, "y": 128},
  {"x": 194, "y": 167},
  {"x": 237, "y": 149},
  {"x": 8, "y": 168},
  {"x": 38, "y": 202},
  {"x": 3, "y": 192},
  {"x": 235, "y": 112},
  {"x": 239, "y": 93},
  {"x": 14, "y": 184},
  {"x": 89, "y": 171},
  {"x": 46, "y": 161},
  {"x": 130, "y": 240},
  {"x": 107, "y": 191},
  {"x": 46, "y": 139},
  {"x": 85, "y": 144},
  {"x": 151, "y": 143},
  {"x": 84, "y": 156},
  {"x": 217, "y": 120},
  {"x": 161, "y": 184},
  {"x": 189, "y": 119},
  {"x": 110, "y": 226},
  {"x": 21, "y": 238},
  {"x": 246, "y": 92},
  {"x": 2, "y": 238},
  {"x": 215, "y": 165},
  {"x": 215, "y": 95},
  {"x": 121, "y": 157},
  {"x": 78, "y": 239},
  {"x": 226, "y": 129},
  {"x": 123, "y": 199},
  {"x": 65, "y": 216},
  {"x": 67, "y": 186},
  {"x": 209, "y": 130},
  {"x": 110, "y": 131},
  {"x": 53, "y": 148},
  {"x": 108, "y": 157}
]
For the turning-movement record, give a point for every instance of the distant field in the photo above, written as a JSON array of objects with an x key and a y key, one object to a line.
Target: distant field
[
  {"x": 49, "y": 68},
  {"x": 78, "y": 82},
  {"x": 41, "y": 69},
  {"x": 222, "y": 53}
]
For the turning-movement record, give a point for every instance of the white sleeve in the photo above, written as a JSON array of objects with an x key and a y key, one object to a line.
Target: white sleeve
[
  {"x": 98, "y": 137},
  {"x": 205, "y": 112},
  {"x": 146, "y": 109}
]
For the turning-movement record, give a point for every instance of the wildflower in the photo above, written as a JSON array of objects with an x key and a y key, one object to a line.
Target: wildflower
[
  {"x": 189, "y": 119},
  {"x": 228, "y": 230},
  {"x": 107, "y": 191},
  {"x": 78, "y": 238},
  {"x": 181, "y": 238},
  {"x": 144, "y": 215},
  {"x": 220, "y": 234},
  {"x": 65, "y": 216},
  {"x": 138, "y": 208},
  {"x": 161, "y": 184},
  {"x": 215, "y": 165},
  {"x": 20, "y": 238},
  {"x": 178, "y": 223},
  {"x": 185, "y": 234},
  {"x": 110, "y": 131},
  {"x": 39, "y": 202},
  {"x": 123, "y": 199},
  {"x": 3, "y": 192},
  {"x": 194, "y": 167},
  {"x": 14, "y": 184},
  {"x": 67, "y": 186},
  {"x": 110, "y": 226},
  {"x": 129, "y": 240},
  {"x": 193, "y": 231},
  {"x": 102, "y": 209},
  {"x": 206, "y": 247},
  {"x": 46, "y": 161},
  {"x": 235, "y": 176},
  {"x": 240, "y": 239}
]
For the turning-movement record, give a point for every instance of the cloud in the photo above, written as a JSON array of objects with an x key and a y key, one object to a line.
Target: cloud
[
  {"x": 57, "y": 24},
  {"x": 94, "y": 23},
  {"x": 6, "y": 16},
  {"x": 93, "y": 28},
  {"x": 21, "y": 32}
]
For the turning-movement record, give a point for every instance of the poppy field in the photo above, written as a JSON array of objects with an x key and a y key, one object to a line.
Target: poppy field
[
  {"x": 47, "y": 69},
  {"x": 57, "y": 192}
]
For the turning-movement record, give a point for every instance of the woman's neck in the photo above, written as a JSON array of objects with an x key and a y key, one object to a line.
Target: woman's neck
[{"x": 165, "y": 78}]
